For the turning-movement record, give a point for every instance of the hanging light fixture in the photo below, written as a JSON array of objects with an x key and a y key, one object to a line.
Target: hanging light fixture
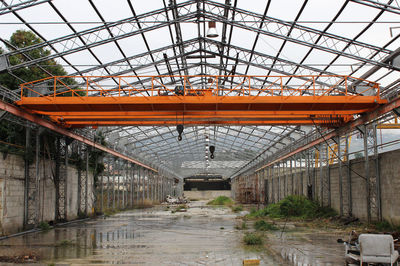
[
  {"x": 212, "y": 30},
  {"x": 179, "y": 128},
  {"x": 212, "y": 150}
]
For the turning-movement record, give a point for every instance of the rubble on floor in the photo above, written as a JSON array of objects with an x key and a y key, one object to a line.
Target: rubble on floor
[
  {"x": 30, "y": 258},
  {"x": 176, "y": 200}
]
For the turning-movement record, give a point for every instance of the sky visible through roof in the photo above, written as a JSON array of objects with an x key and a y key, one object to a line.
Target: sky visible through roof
[{"x": 362, "y": 35}]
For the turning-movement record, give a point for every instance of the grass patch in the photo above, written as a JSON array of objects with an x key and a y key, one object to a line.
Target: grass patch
[
  {"x": 109, "y": 212},
  {"x": 221, "y": 200},
  {"x": 65, "y": 243},
  {"x": 262, "y": 225},
  {"x": 294, "y": 206},
  {"x": 237, "y": 208},
  {"x": 252, "y": 239},
  {"x": 386, "y": 226},
  {"x": 254, "y": 213},
  {"x": 44, "y": 226},
  {"x": 242, "y": 226}
]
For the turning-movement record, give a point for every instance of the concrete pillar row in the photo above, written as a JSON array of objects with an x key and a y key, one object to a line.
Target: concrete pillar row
[
  {"x": 143, "y": 185},
  {"x": 137, "y": 169}
]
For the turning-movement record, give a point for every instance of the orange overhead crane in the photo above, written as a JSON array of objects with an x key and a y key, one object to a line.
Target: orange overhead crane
[{"x": 253, "y": 100}]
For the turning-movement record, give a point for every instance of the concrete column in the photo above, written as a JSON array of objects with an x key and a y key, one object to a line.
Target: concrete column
[
  {"x": 339, "y": 156},
  {"x": 157, "y": 195},
  {"x": 148, "y": 184},
  {"x": 143, "y": 185},
  {"x": 153, "y": 194},
  {"x": 132, "y": 180},
  {"x": 272, "y": 172},
  {"x": 308, "y": 172},
  {"x": 121, "y": 184},
  {"x": 377, "y": 174},
  {"x": 26, "y": 181},
  {"x": 302, "y": 169},
  {"x": 37, "y": 180},
  {"x": 87, "y": 180},
  {"x": 168, "y": 189},
  {"x": 162, "y": 188},
  {"x": 118, "y": 185},
  {"x": 160, "y": 180},
  {"x": 349, "y": 192},
  {"x": 328, "y": 176},
  {"x": 101, "y": 191},
  {"x": 367, "y": 177},
  {"x": 65, "y": 207},
  {"x": 279, "y": 181},
  {"x": 292, "y": 176},
  {"x": 126, "y": 183},
  {"x": 79, "y": 188},
  {"x": 108, "y": 182},
  {"x": 160, "y": 197},
  {"x": 138, "y": 174},
  {"x": 321, "y": 178},
  {"x": 313, "y": 177},
  {"x": 113, "y": 182},
  {"x": 285, "y": 180},
  {"x": 137, "y": 184}
]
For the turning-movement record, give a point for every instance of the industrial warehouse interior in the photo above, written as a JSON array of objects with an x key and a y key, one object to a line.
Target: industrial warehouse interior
[{"x": 199, "y": 132}]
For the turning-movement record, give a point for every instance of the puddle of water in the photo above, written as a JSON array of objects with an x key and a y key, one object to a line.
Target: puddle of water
[
  {"x": 309, "y": 248},
  {"x": 200, "y": 236}
]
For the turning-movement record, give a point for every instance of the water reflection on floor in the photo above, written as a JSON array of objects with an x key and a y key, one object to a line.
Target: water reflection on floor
[{"x": 200, "y": 236}]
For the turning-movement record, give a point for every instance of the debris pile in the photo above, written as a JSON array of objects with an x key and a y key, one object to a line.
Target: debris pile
[
  {"x": 30, "y": 258},
  {"x": 176, "y": 200}
]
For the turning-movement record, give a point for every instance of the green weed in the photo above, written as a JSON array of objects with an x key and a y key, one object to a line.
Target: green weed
[
  {"x": 294, "y": 206},
  {"x": 262, "y": 225},
  {"x": 253, "y": 239},
  {"x": 237, "y": 208},
  {"x": 221, "y": 200},
  {"x": 44, "y": 226},
  {"x": 386, "y": 226}
]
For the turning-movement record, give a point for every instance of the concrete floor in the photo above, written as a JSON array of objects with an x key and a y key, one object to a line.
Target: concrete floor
[{"x": 201, "y": 236}]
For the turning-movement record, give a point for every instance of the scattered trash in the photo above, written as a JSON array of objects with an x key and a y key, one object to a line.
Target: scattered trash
[
  {"x": 19, "y": 259},
  {"x": 348, "y": 220},
  {"x": 372, "y": 248},
  {"x": 176, "y": 200},
  {"x": 251, "y": 262}
]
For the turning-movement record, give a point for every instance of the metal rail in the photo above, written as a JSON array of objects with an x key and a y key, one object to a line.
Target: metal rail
[
  {"x": 249, "y": 101},
  {"x": 47, "y": 124}
]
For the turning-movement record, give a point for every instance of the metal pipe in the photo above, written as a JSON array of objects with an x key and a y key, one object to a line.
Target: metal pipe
[{"x": 47, "y": 124}]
